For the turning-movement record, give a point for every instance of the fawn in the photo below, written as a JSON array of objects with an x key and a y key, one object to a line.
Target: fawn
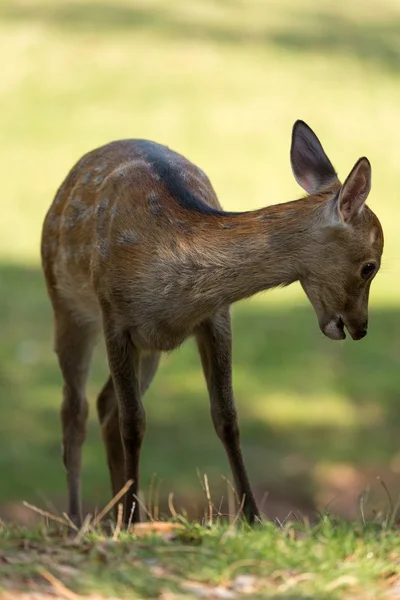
[{"x": 136, "y": 245}]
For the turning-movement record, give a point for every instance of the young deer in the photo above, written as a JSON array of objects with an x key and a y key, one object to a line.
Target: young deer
[{"x": 136, "y": 244}]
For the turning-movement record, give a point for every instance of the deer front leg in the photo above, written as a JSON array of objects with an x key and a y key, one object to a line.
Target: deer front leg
[
  {"x": 214, "y": 341},
  {"x": 107, "y": 409},
  {"x": 124, "y": 361}
]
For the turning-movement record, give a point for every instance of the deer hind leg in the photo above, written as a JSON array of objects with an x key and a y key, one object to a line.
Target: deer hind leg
[
  {"x": 214, "y": 341},
  {"x": 74, "y": 345},
  {"x": 107, "y": 408}
]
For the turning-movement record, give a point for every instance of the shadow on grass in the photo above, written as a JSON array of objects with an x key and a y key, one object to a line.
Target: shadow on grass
[
  {"x": 318, "y": 418},
  {"x": 321, "y": 31}
]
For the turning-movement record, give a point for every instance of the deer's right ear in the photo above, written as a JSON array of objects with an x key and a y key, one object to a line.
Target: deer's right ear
[
  {"x": 355, "y": 190},
  {"x": 311, "y": 167}
]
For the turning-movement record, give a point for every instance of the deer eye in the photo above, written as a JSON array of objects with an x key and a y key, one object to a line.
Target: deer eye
[{"x": 368, "y": 270}]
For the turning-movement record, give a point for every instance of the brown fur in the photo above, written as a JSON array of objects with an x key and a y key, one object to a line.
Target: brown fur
[{"x": 122, "y": 255}]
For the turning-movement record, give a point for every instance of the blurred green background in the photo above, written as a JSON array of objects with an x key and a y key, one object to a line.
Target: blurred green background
[{"x": 222, "y": 82}]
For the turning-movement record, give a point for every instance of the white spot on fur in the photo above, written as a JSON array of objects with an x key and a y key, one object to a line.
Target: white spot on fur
[
  {"x": 102, "y": 247},
  {"x": 86, "y": 178},
  {"x": 102, "y": 205},
  {"x": 203, "y": 191},
  {"x": 129, "y": 236},
  {"x": 154, "y": 203},
  {"x": 90, "y": 211},
  {"x": 68, "y": 221},
  {"x": 184, "y": 175}
]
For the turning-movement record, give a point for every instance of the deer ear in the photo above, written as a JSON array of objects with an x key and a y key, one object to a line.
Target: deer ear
[
  {"x": 311, "y": 167},
  {"x": 355, "y": 190}
]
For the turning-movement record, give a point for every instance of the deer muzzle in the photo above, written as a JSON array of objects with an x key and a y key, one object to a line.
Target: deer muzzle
[
  {"x": 333, "y": 328},
  {"x": 357, "y": 329}
]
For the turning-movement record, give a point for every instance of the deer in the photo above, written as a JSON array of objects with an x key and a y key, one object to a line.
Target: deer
[{"x": 137, "y": 248}]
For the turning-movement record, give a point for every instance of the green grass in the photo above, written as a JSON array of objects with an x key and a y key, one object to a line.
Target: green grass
[
  {"x": 295, "y": 562},
  {"x": 221, "y": 82}
]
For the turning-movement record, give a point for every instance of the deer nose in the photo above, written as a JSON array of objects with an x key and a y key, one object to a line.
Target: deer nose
[
  {"x": 364, "y": 329},
  {"x": 359, "y": 334},
  {"x": 362, "y": 333}
]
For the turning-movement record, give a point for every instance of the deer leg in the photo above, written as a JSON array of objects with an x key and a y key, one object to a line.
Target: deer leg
[
  {"x": 148, "y": 368},
  {"x": 73, "y": 345},
  {"x": 214, "y": 341},
  {"x": 124, "y": 361},
  {"x": 107, "y": 408}
]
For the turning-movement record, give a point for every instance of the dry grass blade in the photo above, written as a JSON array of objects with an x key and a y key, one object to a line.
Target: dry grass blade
[
  {"x": 200, "y": 480},
  {"x": 239, "y": 512},
  {"x": 112, "y": 503},
  {"x": 131, "y": 515},
  {"x": 228, "y": 532},
  {"x": 171, "y": 505},
  {"x": 219, "y": 511},
  {"x": 119, "y": 522},
  {"x": 83, "y": 530},
  {"x": 391, "y": 506},
  {"x": 46, "y": 514},
  {"x": 286, "y": 519},
  {"x": 58, "y": 585},
  {"x": 232, "y": 487},
  {"x": 361, "y": 505},
  {"x": 70, "y": 523},
  {"x": 142, "y": 504},
  {"x": 208, "y": 496}
]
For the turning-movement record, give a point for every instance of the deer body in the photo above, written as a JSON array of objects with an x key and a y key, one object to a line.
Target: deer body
[{"x": 136, "y": 245}]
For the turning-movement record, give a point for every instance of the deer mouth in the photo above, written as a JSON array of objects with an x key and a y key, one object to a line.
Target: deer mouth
[
  {"x": 334, "y": 329},
  {"x": 357, "y": 331}
]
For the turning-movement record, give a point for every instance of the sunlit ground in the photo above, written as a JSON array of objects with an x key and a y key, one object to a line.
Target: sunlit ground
[{"x": 221, "y": 82}]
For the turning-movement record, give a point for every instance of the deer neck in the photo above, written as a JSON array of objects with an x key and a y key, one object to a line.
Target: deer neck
[{"x": 237, "y": 256}]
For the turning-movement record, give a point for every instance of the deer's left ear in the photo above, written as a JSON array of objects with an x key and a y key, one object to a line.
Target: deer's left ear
[
  {"x": 355, "y": 190},
  {"x": 311, "y": 167}
]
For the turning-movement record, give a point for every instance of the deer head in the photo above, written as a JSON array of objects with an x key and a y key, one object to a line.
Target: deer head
[{"x": 345, "y": 238}]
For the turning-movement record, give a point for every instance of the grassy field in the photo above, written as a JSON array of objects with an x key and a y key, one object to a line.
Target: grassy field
[
  {"x": 296, "y": 562},
  {"x": 222, "y": 82}
]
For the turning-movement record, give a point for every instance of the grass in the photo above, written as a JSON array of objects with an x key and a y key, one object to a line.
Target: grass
[
  {"x": 222, "y": 82},
  {"x": 295, "y": 562}
]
